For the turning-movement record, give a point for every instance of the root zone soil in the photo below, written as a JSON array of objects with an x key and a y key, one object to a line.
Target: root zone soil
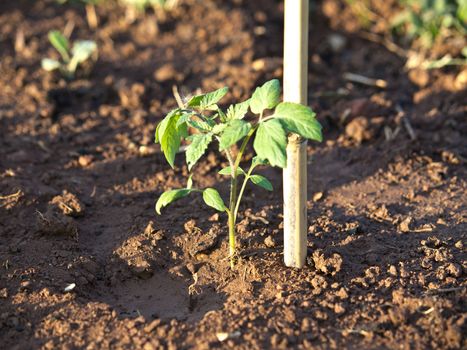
[{"x": 79, "y": 175}]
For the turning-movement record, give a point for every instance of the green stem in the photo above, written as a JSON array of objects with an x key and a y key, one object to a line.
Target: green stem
[
  {"x": 242, "y": 189},
  {"x": 233, "y": 205},
  {"x": 230, "y": 211},
  {"x": 232, "y": 219},
  {"x": 233, "y": 202},
  {"x": 243, "y": 146}
]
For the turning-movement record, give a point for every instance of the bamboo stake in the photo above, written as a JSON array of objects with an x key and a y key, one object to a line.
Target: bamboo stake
[{"x": 295, "y": 174}]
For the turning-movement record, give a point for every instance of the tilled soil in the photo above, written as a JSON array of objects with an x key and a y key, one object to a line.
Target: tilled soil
[{"x": 87, "y": 264}]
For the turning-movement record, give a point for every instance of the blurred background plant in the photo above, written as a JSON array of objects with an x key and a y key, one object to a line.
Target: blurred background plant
[
  {"x": 429, "y": 20},
  {"x": 429, "y": 34},
  {"x": 133, "y": 8},
  {"x": 137, "y": 7},
  {"x": 71, "y": 56}
]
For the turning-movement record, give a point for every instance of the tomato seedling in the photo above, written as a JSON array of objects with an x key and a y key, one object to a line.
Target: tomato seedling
[
  {"x": 272, "y": 122},
  {"x": 81, "y": 51}
]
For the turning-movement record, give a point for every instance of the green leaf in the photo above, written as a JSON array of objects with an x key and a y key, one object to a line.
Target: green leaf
[
  {"x": 266, "y": 96},
  {"x": 156, "y": 134},
  {"x": 160, "y": 129},
  {"x": 200, "y": 125},
  {"x": 221, "y": 114},
  {"x": 462, "y": 13},
  {"x": 170, "y": 196},
  {"x": 169, "y": 135},
  {"x": 170, "y": 141},
  {"x": 213, "y": 199},
  {"x": 185, "y": 117},
  {"x": 261, "y": 181},
  {"x": 195, "y": 101},
  {"x": 60, "y": 42},
  {"x": 270, "y": 143},
  {"x": 235, "y": 130},
  {"x": 82, "y": 50},
  {"x": 298, "y": 119},
  {"x": 218, "y": 128},
  {"x": 199, "y": 144},
  {"x": 238, "y": 110},
  {"x": 211, "y": 98},
  {"x": 49, "y": 64},
  {"x": 228, "y": 172},
  {"x": 182, "y": 130},
  {"x": 258, "y": 161}
]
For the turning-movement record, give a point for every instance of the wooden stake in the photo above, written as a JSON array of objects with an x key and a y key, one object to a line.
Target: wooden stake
[{"x": 295, "y": 174}]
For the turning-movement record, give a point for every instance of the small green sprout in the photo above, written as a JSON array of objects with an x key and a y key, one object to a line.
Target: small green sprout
[
  {"x": 80, "y": 52},
  {"x": 272, "y": 122}
]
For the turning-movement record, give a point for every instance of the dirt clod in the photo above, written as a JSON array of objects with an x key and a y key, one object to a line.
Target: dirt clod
[
  {"x": 327, "y": 265},
  {"x": 53, "y": 223},
  {"x": 359, "y": 130},
  {"x": 319, "y": 284},
  {"x": 69, "y": 204},
  {"x": 269, "y": 242},
  {"x": 404, "y": 225},
  {"x": 454, "y": 270},
  {"x": 164, "y": 73}
]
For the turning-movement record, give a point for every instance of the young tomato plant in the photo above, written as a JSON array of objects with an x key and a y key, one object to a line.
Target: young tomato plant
[
  {"x": 272, "y": 122},
  {"x": 80, "y": 52}
]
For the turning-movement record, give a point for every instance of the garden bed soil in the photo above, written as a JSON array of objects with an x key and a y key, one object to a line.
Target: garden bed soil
[{"x": 79, "y": 176}]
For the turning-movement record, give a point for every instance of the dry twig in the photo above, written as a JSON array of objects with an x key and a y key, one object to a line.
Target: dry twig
[
  {"x": 360, "y": 79},
  {"x": 13, "y": 195},
  {"x": 406, "y": 121}
]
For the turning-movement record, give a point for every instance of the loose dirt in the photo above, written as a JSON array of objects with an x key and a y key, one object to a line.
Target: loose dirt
[{"x": 79, "y": 176}]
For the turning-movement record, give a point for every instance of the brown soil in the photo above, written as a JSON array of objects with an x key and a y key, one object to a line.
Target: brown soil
[{"x": 79, "y": 175}]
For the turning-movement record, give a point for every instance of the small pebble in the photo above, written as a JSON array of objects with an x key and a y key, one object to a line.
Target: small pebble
[
  {"x": 69, "y": 287},
  {"x": 392, "y": 270},
  {"x": 317, "y": 196},
  {"x": 270, "y": 242},
  {"x": 222, "y": 336},
  {"x": 85, "y": 160}
]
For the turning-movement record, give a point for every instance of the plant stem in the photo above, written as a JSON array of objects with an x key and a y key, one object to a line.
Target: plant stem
[
  {"x": 243, "y": 146},
  {"x": 232, "y": 219},
  {"x": 230, "y": 212},
  {"x": 233, "y": 204},
  {"x": 242, "y": 189}
]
